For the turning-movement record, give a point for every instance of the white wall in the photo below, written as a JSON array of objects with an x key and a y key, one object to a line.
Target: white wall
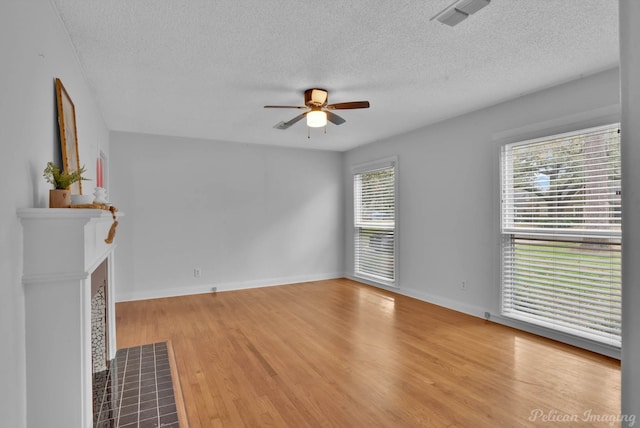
[
  {"x": 246, "y": 215},
  {"x": 34, "y": 49},
  {"x": 448, "y": 176},
  {"x": 630, "y": 89}
]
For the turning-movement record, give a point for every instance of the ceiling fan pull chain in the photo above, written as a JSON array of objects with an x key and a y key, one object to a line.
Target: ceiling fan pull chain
[{"x": 308, "y": 133}]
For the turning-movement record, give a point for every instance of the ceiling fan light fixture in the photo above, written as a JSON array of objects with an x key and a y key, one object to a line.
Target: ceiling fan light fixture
[{"x": 316, "y": 119}]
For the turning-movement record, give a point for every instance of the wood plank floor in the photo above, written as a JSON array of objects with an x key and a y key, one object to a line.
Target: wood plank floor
[{"x": 339, "y": 353}]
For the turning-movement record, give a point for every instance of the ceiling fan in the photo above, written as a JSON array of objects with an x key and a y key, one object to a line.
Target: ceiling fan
[{"x": 318, "y": 112}]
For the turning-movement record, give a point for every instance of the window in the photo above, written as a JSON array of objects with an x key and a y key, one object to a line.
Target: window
[
  {"x": 374, "y": 191},
  {"x": 561, "y": 229}
]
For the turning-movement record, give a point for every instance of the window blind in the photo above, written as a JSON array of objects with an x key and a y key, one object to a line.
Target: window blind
[
  {"x": 374, "y": 222},
  {"x": 561, "y": 226}
]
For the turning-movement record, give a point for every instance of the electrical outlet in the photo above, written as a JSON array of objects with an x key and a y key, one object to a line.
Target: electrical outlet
[
  {"x": 214, "y": 289},
  {"x": 463, "y": 285},
  {"x": 197, "y": 272}
]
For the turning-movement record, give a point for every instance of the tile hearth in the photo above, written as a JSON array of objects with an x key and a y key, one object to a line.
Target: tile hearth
[{"x": 136, "y": 391}]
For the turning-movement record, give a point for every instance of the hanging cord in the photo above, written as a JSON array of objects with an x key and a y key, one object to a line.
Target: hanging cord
[
  {"x": 112, "y": 230},
  {"x": 309, "y": 131}
]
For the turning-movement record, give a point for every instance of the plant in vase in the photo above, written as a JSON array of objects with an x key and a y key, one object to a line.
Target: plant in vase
[{"x": 60, "y": 195}]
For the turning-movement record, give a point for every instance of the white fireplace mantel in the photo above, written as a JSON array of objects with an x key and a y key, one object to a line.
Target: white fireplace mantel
[{"x": 61, "y": 248}]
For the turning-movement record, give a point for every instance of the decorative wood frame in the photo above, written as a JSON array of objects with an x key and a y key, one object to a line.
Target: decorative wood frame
[{"x": 68, "y": 134}]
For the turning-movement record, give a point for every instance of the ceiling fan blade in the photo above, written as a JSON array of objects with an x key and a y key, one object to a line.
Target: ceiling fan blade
[
  {"x": 334, "y": 118},
  {"x": 286, "y": 125},
  {"x": 285, "y": 107},
  {"x": 349, "y": 105}
]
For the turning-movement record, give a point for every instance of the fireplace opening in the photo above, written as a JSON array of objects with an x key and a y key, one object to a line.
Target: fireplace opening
[
  {"x": 99, "y": 331},
  {"x": 99, "y": 324}
]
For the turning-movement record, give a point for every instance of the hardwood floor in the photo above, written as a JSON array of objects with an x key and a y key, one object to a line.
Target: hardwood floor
[{"x": 339, "y": 353}]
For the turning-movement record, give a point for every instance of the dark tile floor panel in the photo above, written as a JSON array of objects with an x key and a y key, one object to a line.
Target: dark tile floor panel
[{"x": 136, "y": 391}]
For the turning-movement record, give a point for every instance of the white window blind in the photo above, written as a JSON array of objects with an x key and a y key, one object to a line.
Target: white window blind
[
  {"x": 561, "y": 258},
  {"x": 374, "y": 222}
]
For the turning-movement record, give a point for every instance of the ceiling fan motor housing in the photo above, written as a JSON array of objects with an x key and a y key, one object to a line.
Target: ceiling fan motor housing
[{"x": 316, "y": 97}]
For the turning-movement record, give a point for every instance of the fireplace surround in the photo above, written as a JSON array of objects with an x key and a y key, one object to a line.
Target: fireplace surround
[{"x": 62, "y": 250}]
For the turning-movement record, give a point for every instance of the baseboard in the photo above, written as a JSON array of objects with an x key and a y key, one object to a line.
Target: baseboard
[
  {"x": 220, "y": 287},
  {"x": 476, "y": 311}
]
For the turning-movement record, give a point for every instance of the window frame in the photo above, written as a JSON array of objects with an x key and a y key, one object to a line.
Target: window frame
[
  {"x": 509, "y": 234},
  {"x": 362, "y": 168}
]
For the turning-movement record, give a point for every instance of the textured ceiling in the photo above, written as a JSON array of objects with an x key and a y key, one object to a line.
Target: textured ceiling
[{"x": 205, "y": 68}]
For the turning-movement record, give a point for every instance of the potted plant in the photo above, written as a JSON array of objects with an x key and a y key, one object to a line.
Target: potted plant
[{"x": 60, "y": 195}]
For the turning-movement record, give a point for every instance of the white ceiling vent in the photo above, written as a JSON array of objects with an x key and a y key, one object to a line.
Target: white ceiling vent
[
  {"x": 471, "y": 6},
  {"x": 459, "y": 11},
  {"x": 452, "y": 17}
]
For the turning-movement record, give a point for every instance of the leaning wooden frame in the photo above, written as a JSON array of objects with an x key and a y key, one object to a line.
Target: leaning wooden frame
[{"x": 68, "y": 134}]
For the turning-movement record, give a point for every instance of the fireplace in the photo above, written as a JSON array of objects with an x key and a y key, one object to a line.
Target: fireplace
[{"x": 67, "y": 265}]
